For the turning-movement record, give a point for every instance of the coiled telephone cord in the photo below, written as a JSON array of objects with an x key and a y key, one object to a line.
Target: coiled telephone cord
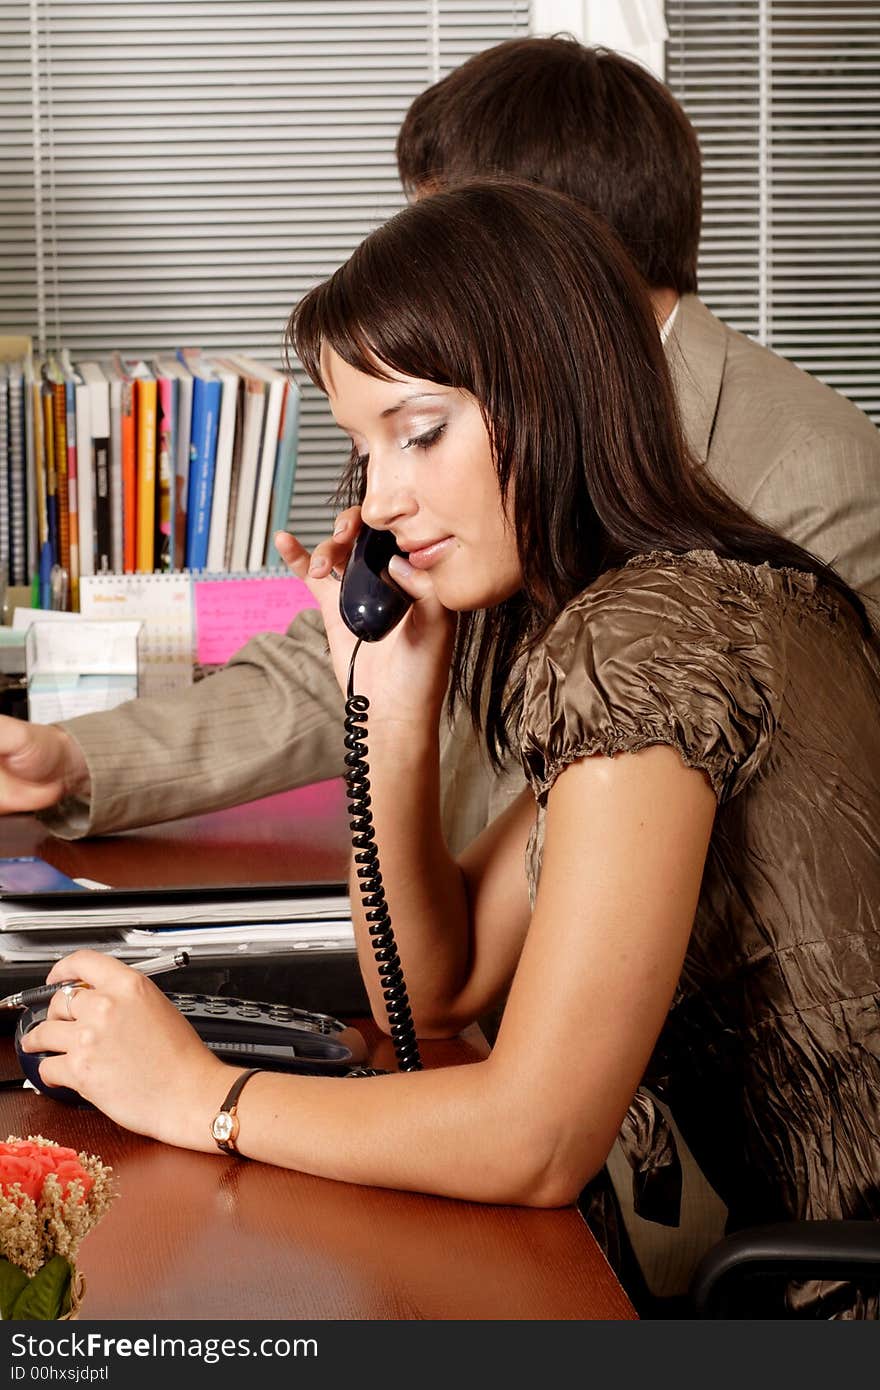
[{"x": 369, "y": 873}]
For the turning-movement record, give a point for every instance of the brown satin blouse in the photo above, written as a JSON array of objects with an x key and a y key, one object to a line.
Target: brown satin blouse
[{"x": 770, "y": 1057}]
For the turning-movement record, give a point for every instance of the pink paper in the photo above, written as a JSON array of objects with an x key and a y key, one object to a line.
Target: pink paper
[{"x": 229, "y": 611}]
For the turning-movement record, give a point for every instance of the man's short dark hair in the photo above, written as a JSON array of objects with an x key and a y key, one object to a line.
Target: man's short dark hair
[{"x": 585, "y": 121}]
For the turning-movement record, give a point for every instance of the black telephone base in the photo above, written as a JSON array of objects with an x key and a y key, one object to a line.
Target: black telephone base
[{"x": 275, "y": 1036}]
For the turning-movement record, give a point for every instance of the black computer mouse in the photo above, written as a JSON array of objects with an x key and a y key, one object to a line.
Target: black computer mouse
[{"x": 30, "y": 1061}]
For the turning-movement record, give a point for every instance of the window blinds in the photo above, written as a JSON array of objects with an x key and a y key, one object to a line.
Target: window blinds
[
  {"x": 785, "y": 95},
  {"x": 181, "y": 173}
]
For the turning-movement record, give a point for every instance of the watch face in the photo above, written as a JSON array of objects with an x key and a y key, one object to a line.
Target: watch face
[{"x": 223, "y": 1127}]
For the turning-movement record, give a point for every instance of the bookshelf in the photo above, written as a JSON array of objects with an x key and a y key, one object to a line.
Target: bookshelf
[
  {"x": 168, "y": 464},
  {"x": 147, "y": 489}
]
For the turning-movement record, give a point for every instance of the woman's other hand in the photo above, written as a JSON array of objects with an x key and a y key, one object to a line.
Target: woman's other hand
[{"x": 125, "y": 1048}]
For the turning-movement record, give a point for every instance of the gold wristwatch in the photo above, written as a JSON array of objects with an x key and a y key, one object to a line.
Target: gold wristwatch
[{"x": 225, "y": 1124}]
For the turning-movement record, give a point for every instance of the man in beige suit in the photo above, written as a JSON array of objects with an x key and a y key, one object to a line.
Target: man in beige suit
[{"x": 800, "y": 456}]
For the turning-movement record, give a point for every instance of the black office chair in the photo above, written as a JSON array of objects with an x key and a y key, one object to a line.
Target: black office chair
[{"x": 730, "y": 1280}]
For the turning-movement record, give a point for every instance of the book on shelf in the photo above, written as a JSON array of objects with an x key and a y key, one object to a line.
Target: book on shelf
[
  {"x": 48, "y": 413},
  {"x": 96, "y": 437},
  {"x": 147, "y": 417},
  {"x": 85, "y": 478},
  {"x": 4, "y": 472},
  {"x": 276, "y": 384},
  {"x": 238, "y": 529},
  {"x": 54, "y": 378},
  {"x": 18, "y": 523},
  {"x": 18, "y": 464},
  {"x": 171, "y": 367},
  {"x": 285, "y": 473},
  {"x": 71, "y": 381},
  {"x": 234, "y": 472},
  {"x": 207, "y": 394},
  {"x": 41, "y": 517},
  {"x": 223, "y": 467},
  {"x": 30, "y": 447},
  {"x": 115, "y": 477},
  {"x": 127, "y": 459},
  {"x": 115, "y": 485},
  {"x": 166, "y": 458}
]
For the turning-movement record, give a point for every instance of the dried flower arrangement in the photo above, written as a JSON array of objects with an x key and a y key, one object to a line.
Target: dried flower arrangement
[{"x": 50, "y": 1198}]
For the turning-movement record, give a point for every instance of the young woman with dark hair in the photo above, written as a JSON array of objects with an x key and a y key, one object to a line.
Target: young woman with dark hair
[{"x": 688, "y": 895}]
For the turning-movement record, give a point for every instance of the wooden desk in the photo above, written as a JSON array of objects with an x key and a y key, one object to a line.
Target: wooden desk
[
  {"x": 197, "y": 1236},
  {"x": 298, "y": 836}
]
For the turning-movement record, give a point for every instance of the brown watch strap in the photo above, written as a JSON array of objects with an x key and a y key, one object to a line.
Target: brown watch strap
[{"x": 227, "y": 1144}]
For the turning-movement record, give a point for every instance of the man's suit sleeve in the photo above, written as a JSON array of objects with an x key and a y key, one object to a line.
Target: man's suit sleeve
[
  {"x": 270, "y": 720},
  {"x": 825, "y": 495}
]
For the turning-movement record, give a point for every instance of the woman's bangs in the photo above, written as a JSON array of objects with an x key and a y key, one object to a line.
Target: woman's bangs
[
  {"x": 375, "y": 318},
  {"x": 320, "y": 320}
]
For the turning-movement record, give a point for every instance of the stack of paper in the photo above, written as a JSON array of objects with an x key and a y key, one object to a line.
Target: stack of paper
[
  {"x": 245, "y": 939},
  {"x": 141, "y": 926}
]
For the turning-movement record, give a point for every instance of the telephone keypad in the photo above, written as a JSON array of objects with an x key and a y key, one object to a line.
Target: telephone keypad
[{"x": 219, "y": 1006}]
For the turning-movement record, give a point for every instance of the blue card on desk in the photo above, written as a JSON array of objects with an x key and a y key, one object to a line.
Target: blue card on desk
[{"x": 21, "y": 877}]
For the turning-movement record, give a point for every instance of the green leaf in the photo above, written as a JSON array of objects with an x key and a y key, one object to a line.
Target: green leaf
[
  {"x": 43, "y": 1298},
  {"x": 12, "y": 1281}
]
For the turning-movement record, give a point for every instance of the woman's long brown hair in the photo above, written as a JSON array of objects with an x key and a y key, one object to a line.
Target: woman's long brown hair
[{"x": 524, "y": 298}]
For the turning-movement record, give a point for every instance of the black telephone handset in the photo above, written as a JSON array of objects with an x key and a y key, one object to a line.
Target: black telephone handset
[{"x": 370, "y": 602}]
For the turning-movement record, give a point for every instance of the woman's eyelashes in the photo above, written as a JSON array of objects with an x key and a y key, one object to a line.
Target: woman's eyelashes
[
  {"x": 424, "y": 441},
  {"x": 418, "y": 441}
]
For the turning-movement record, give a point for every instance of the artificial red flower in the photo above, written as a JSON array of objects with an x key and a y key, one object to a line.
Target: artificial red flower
[
  {"x": 28, "y": 1164},
  {"x": 73, "y": 1171},
  {"x": 24, "y": 1170}
]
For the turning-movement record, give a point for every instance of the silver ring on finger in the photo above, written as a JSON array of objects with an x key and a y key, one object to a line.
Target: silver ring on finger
[
  {"x": 69, "y": 991},
  {"x": 334, "y": 574}
]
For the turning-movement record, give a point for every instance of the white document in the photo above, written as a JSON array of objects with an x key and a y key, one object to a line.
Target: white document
[
  {"x": 133, "y": 943},
  {"x": 291, "y": 913}
]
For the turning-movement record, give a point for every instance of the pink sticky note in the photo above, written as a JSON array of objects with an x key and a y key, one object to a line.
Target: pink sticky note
[{"x": 229, "y": 611}]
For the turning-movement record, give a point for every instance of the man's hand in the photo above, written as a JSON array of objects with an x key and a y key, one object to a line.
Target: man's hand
[{"x": 39, "y": 765}]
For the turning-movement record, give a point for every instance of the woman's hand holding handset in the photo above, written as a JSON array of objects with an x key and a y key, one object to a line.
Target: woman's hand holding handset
[{"x": 405, "y": 675}]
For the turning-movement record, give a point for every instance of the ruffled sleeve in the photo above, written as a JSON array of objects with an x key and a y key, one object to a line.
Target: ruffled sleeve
[{"x": 665, "y": 650}]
